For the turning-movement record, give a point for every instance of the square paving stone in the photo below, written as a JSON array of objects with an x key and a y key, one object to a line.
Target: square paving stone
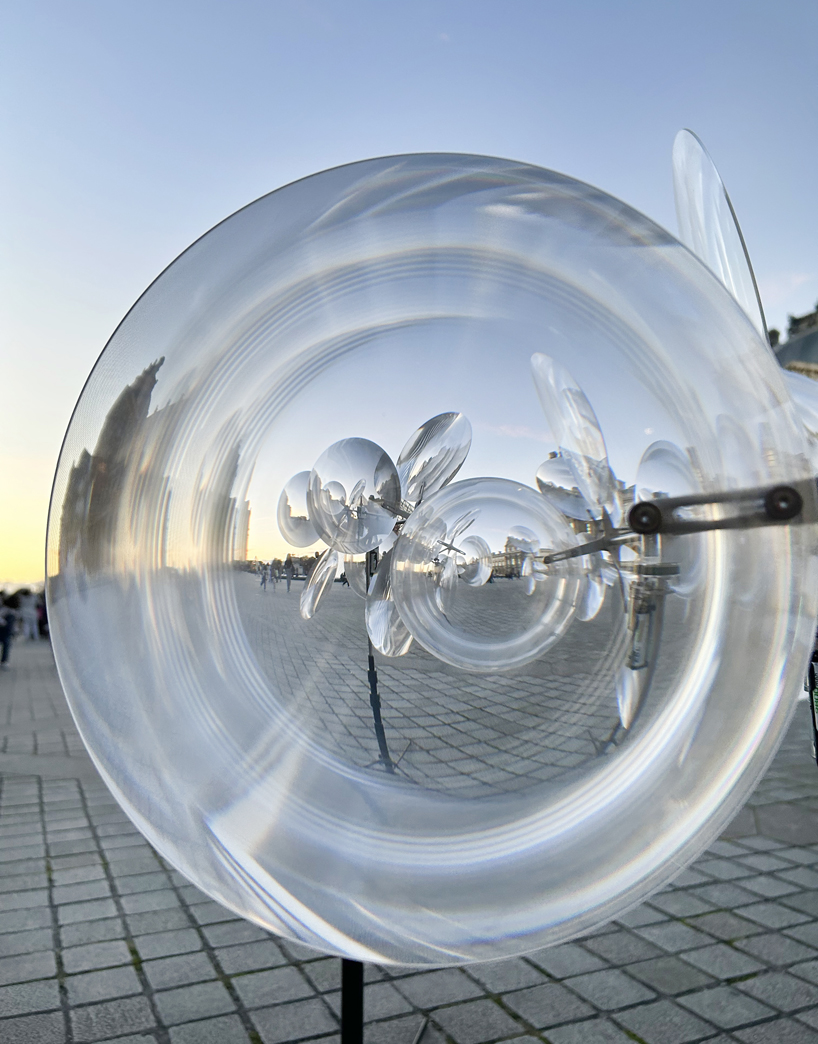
[
  {"x": 725, "y": 896},
  {"x": 768, "y": 886},
  {"x": 166, "y": 972},
  {"x": 166, "y": 944},
  {"x": 210, "y": 913},
  {"x": 294, "y": 1021},
  {"x": 663, "y": 1023},
  {"x": 34, "y": 1029},
  {"x": 92, "y": 931},
  {"x": 776, "y": 949},
  {"x": 673, "y": 936},
  {"x": 134, "y": 883},
  {"x": 548, "y": 1005},
  {"x": 233, "y": 932},
  {"x": 722, "y": 961},
  {"x": 249, "y": 957},
  {"x": 141, "y": 902},
  {"x": 226, "y": 1029},
  {"x": 26, "y": 967},
  {"x": 92, "y": 910},
  {"x": 668, "y": 975},
  {"x": 781, "y": 1031},
  {"x": 805, "y": 933},
  {"x": 782, "y": 991},
  {"x": 404, "y": 1030},
  {"x": 502, "y": 976},
  {"x": 806, "y": 902},
  {"x": 25, "y": 998},
  {"x": 158, "y": 921},
  {"x": 431, "y": 989},
  {"x": 764, "y": 862},
  {"x": 23, "y": 920},
  {"x": 803, "y": 876},
  {"x": 726, "y": 1007},
  {"x": 476, "y": 1021},
  {"x": 26, "y": 942},
  {"x": 610, "y": 989},
  {"x": 102, "y": 985},
  {"x": 725, "y": 925},
  {"x": 568, "y": 959},
  {"x": 112, "y": 1019},
  {"x": 95, "y": 955},
  {"x": 72, "y": 893},
  {"x": 594, "y": 1031},
  {"x": 188, "y": 1003},
  {"x": 681, "y": 904},
  {"x": 773, "y": 915},
  {"x": 622, "y": 948},
  {"x": 723, "y": 869},
  {"x": 641, "y": 915},
  {"x": 261, "y": 989}
]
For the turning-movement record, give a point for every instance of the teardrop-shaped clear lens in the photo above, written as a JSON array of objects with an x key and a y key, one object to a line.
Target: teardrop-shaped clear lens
[
  {"x": 356, "y": 575},
  {"x": 496, "y": 625},
  {"x": 474, "y": 561},
  {"x": 557, "y": 481},
  {"x": 591, "y": 596},
  {"x": 433, "y": 455},
  {"x": 665, "y": 470},
  {"x": 804, "y": 393},
  {"x": 630, "y": 686},
  {"x": 358, "y": 521},
  {"x": 293, "y": 515},
  {"x": 387, "y": 632},
  {"x": 318, "y": 583},
  {"x": 576, "y": 432},
  {"x": 708, "y": 224}
]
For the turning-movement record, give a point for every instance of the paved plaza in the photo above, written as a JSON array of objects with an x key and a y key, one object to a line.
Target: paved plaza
[{"x": 100, "y": 940}]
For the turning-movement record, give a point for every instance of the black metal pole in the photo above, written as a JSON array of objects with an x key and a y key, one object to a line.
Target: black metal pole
[{"x": 352, "y": 1002}]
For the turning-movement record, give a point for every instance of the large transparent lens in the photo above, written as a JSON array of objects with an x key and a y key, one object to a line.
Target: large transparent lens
[{"x": 536, "y": 743}]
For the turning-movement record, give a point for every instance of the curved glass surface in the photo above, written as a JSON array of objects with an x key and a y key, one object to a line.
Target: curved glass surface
[
  {"x": 540, "y": 757},
  {"x": 709, "y": 226}
]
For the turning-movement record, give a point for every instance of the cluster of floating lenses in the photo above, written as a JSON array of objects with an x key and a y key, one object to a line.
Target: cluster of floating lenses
[{"x": 436, "y": 542}]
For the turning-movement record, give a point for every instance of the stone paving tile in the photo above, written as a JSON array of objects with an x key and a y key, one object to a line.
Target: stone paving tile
[
  {"x": 610, "y": 989},
  {"x": 189, "y": 1003},
  {"x": 226, "y": 1029},
  {"x": 782, "y": 1031},
  {"x": 663, "y": 1022},
  {"x": 594, "y": 1031},
  {"x": 476, "y": 1022},
  {"x": 726, "y": 1007},
  {"x": 729, "y": 950},
  {"x": 669, "y": 975},
  {"x": 293, "y": 1022},
  {"x": 548, "y": 1005}
]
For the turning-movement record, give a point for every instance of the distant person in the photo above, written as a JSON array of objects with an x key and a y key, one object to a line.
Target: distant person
[
  {"x": 8, "y": 624},
  {"x": 289, "y": 571},
  {"x": 264, "y": 578},
  {"x": 28, "y": 612}
]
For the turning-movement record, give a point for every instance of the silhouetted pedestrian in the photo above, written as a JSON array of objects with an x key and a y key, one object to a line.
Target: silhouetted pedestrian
[{"x": 8, "y": 624}]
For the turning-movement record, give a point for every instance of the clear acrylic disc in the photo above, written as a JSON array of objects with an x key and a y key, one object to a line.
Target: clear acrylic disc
[{"x": 525, "y": 773}]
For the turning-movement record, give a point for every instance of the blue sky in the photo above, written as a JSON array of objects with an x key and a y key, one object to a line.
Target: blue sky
[{"x": 128, "y": 130}]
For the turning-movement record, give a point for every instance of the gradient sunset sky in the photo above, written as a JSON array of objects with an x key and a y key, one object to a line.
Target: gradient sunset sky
[{"x": 129, "y": 129}]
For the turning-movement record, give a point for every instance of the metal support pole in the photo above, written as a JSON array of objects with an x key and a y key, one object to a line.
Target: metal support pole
[{"x": 352, "y": 1002}]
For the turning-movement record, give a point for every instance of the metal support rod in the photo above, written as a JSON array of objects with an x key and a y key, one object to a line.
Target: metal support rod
[
  {"x": 791, "y": 504},
  {"x": 372, "y": 675},
  {"x": 352, "y": 1002}
]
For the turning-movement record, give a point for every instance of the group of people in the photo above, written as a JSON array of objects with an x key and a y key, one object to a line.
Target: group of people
[
  {"x": 272, "y": 572},
  {"x": 22, "y": 613}
]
